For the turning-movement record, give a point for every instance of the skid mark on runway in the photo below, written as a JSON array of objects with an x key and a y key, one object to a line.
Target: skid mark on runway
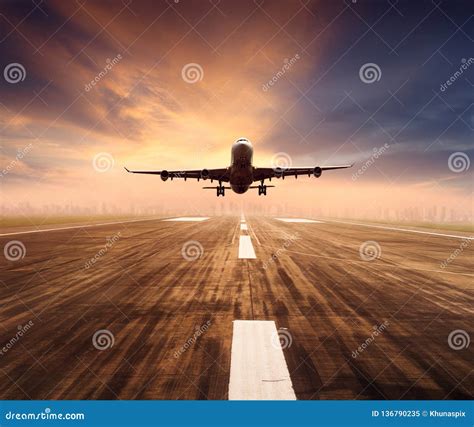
[
  {"x": 252, "y": 233},
  {"x": 188, "y": 219},
  {"x": 406, "y": 230},
  {"x": 72, "y": 227},
  {"x": 258, "y": 369},
  {"x": 246, "y": 250},
  {"x": 255, "y": 237},
  {"x": 299, "y": 220},
  {"x": 399, "y": 266}
]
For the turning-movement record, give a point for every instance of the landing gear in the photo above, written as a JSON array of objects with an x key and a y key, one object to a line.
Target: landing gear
[
  {"x": 262, "y": 189},
  {"x": 220, "y": 191}
]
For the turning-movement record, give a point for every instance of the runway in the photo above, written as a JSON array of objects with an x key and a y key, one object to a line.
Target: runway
[{"x": 361, "y": 312}]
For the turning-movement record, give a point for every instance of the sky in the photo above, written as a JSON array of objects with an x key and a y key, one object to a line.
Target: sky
[{"x": 88, "y": 87}]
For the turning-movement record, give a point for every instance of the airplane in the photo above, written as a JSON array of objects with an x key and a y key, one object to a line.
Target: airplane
[{"x": 241, "y": 174}]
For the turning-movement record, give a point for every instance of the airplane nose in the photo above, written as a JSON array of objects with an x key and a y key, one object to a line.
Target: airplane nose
[{"x": 244, "y": 141}]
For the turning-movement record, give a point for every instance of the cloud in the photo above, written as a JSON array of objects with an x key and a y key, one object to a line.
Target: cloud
[{"x": 146, "y": 115}]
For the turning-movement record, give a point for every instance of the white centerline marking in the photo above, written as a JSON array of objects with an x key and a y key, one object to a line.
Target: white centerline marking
[
  {"x": 188, "y": 218},
  {"x": 258, "y": 369},
  {"x": 77, "y": 226},
  {"x": 404, "y": 229},
  {"x": 246, "y": 250},
  {"x": 302, "y": 220},
  {"x": 243, "y": 227}
]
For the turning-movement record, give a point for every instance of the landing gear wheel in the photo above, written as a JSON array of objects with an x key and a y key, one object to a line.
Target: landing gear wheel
[
  {"x": 220, "y": 191},
  {"x": 262, "y": 189}
]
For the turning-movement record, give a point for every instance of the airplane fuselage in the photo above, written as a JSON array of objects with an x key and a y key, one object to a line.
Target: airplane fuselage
[
  {"x": 241, "y": 169},
  {"x": 241, "y": 174}
]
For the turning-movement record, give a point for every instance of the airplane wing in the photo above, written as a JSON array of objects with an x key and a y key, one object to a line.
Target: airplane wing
[
  {"x": 277, "y": 172},
  {"x": 212, "y": 174}
]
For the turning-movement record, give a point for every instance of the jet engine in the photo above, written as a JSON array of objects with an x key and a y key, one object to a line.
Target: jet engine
[{"x": 278, "y": 171}]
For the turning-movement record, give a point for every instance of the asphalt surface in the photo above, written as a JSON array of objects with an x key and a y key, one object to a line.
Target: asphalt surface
[{"x": 169, "y": 316}]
